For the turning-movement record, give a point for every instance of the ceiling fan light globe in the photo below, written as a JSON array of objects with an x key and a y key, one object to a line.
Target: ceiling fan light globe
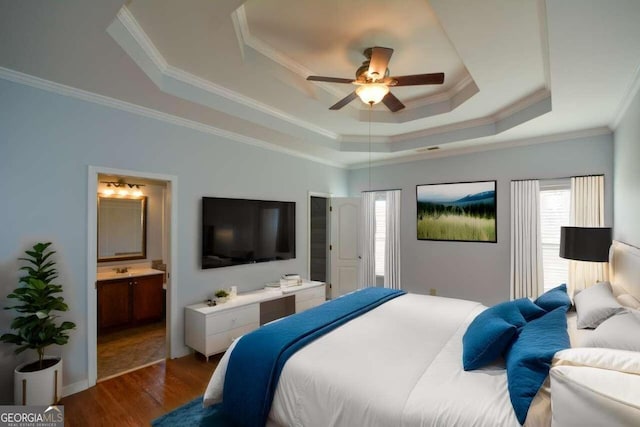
[{"x": 372, "y": 93}]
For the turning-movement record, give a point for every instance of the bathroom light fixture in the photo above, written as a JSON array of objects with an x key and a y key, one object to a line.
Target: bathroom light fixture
[{"x": 122, "y": 188}]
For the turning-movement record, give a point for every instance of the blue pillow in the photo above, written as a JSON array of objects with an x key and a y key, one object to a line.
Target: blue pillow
[
  {"x": 528, "y": 309},
  {"x": 529, "y": 358},
  {"x": 490, "y": 334},
  {"x": 554, "y": 298}
]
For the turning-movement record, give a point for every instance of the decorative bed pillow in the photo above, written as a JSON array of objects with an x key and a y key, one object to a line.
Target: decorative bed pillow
[
  {"x": 528, "y": 309},
  {"x": 529, "y": 358},
  {"x": 596, "y": 304},
  {"x": 490, "y": 334},
  {"x": 621, "y": 331},
  {"x": 554, "y": 298},
  {"x": 629, "y": 301}
]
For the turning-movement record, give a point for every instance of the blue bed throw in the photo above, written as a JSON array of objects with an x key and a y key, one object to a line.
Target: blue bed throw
[{"x": 259, "y": 357}]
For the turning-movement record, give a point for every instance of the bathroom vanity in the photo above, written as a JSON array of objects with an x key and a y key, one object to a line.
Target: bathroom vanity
[{"x": 129, "y": 299}]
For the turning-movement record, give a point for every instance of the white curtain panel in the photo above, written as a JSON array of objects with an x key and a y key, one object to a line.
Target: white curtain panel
[
  {"x": 392, "y": 246},
  {"x": 587, "y": 210},
  {"x": 527, "y": 278},
  {"x": 367, "y": 263}
]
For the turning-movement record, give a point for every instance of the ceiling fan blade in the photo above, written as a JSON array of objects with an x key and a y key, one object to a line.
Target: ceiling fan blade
[
  {"x": 392, "y": 102},
  {"x": 329, "y": 79},
  {"x": 344, "y": 101},
  {"x": 380, "y": 57},
  {"x": 419, "y": 79}
]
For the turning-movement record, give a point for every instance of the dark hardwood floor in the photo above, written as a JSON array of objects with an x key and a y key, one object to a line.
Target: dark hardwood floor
[{"x": 136, "y": 398}]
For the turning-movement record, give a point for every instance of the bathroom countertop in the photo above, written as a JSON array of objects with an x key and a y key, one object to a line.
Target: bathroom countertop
[{"x": 133, "y": 272}]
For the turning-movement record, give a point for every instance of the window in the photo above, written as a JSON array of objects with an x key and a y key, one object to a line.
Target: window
[
  {"x": 380, "y": 234},
  {"x": 555, "y": 204}
]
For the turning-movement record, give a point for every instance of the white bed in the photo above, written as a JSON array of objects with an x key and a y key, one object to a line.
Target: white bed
[{"x": 397, "y": 365}]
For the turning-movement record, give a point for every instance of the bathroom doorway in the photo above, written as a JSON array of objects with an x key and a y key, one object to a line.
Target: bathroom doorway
[
  {"x": 131, "y": 273},
  {"x": 131, "y": 253}
]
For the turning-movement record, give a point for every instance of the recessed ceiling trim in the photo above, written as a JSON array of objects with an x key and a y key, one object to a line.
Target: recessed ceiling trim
[
  {"x": 524, "y": 110},
  {"x": 544, "y": 41},
  {"x": 83, "y": 95},
  {"x": 133, "y": 28},
  {"x": 248, "y": 40},
  {"x": 245, "y": 36},
  {"x": 130, "y": 41},
  {"x": 449, "y": 152},
  {"x": 630, "y": 94}
]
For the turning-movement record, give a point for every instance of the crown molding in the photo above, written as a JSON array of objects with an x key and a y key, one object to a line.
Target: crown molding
[
  {"x": 135, "y": 30},
  {"x": 632, "y": 90},
  {"x": 127, "y": 32},
  {"x": 444, "y": 152},
  {"x": 61, "y": 89},
  {"x": 169, "y": 72}
]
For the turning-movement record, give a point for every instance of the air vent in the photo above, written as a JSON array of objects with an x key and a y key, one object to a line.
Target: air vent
[{"x": 424, "y": 149}]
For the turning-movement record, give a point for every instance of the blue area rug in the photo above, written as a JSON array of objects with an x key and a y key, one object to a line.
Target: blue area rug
[{"x": 192, "y": 414}]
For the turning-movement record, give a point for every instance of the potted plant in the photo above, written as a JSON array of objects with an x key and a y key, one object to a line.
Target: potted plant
[
  {"x": 222, "y": 295},
  {"x": 38, "y": 382}
]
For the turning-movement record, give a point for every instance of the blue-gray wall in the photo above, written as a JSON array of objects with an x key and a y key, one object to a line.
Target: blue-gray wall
[
  {"x": 479, "y": 271},
  {"x": 627, "y": 176},
  {"x": 47, "y": 142}
]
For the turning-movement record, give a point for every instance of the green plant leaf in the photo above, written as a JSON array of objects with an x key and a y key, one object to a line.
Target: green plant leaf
[
  {"x": 67, "y": 325},
  {"x": 35, "y": 299}
]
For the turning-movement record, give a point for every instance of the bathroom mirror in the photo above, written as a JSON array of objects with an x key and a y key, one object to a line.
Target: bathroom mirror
[{"x": 122, "y": 228}]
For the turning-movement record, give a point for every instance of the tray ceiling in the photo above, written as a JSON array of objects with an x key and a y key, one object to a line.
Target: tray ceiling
[{"x": 520, "y": 70}]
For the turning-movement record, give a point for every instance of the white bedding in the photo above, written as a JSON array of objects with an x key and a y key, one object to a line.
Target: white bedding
[{"x": 410, "y": 374}]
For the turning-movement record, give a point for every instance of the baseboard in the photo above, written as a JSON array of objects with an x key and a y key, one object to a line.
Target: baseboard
[{"x": 75, "y": 388}]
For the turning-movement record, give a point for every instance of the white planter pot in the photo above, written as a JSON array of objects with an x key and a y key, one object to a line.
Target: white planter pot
[{"x": 39, "y": 387}]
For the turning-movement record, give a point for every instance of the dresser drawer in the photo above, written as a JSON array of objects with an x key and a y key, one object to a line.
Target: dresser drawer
[
  {"x": 305, "y": 305},
  {"x": 231, "y": 319},
  {"x": 309, "y": 294},
  {"x": 217, "y": 343},
  {"x": 242, "y": 330}
]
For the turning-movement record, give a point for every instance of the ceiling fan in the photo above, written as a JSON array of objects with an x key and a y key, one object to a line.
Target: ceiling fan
[{"x": 373, "y": 81}]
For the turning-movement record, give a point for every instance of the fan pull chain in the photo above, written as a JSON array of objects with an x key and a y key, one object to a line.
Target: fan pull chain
[{"x": 370, "y": 108}]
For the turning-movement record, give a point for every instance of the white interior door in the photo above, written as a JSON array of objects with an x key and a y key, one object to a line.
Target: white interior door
[{"x": 345, "y": 245}]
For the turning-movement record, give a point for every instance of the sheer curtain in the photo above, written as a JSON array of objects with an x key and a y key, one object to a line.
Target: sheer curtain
[
  {"x": 587, "y": 210},
  {"x": 527, "y": 278},
  {"x": 392, "y": 247},
  {"x": 367, "y": 263}
]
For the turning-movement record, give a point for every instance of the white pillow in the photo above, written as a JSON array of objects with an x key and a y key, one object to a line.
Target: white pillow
[
  {"x": 603, "y": 358},
  {"x": 620, "y": 331},
  {"x": 596, "y": 304},
  {"x": 585, "y": 396},
  {"x": 628, "y": 300}
]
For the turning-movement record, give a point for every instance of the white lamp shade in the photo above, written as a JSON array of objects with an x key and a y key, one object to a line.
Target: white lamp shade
[{"x": 372, "y": 93}]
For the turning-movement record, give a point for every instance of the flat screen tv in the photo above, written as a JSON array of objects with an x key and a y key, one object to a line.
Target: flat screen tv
[{"x": 239, "y": 231}]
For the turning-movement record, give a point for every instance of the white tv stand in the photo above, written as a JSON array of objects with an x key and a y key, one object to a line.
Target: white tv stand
[{"x": 211, "y": 329}]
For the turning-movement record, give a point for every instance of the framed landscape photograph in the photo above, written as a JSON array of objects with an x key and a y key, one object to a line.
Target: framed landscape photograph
[{"x": 460, "y": 212}]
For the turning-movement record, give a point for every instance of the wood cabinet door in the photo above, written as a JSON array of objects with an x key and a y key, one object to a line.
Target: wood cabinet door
[
  {"x": 114, "y": 303},
  {"x": 147, "y": 298}
]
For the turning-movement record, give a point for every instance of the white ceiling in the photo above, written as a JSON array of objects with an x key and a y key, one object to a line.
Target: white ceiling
[{"x": 520, "y": 71}]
